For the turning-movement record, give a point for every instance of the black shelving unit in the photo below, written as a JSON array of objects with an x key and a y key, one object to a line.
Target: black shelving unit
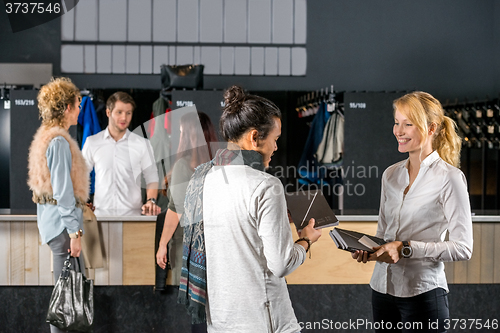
[{"x": 478, "y": 125}]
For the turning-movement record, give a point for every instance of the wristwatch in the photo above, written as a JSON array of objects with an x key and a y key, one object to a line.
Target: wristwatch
[
  {"x": 153, "y": 200},
  {"x": 77, "y": 234},
  {"x": 406, "y": 251}
]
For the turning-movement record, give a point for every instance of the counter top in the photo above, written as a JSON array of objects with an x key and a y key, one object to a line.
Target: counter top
[
  {"x": 371, "y": 218},
  {"x": 30, "y": 215},
  {"x": 7, "y": 216}
]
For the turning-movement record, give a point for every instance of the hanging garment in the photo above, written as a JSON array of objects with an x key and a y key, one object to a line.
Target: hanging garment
[
  {"x": 308, "y": 168},
  {"x": 88, "y": 119},
  {"x": 329, "y": 152},
  {"x": 100, "y": 111},
  {"x": 90, "y": 123},
  {"x": 160, "y": 141},
  {"x": 161, "y": 106}
]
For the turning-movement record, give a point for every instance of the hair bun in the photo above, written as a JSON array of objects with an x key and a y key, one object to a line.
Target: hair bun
[{"x": 233, "y": 99}]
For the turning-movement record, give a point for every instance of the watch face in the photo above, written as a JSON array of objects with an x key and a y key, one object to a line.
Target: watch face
[{"x": 406, "y": 251}]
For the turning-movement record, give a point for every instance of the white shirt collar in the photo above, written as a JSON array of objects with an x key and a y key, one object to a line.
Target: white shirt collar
[
  {"x": 434, "y": 156},
  {"x": 107, "y": 135}
]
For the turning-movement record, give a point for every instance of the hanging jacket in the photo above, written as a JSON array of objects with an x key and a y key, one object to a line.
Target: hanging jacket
[
  {"x": 308, "y": 167},
  {"x": 329, "y": 152},
  {"x": 90, "y": 123}
]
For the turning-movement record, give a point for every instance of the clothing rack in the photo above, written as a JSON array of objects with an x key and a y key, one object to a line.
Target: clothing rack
[
  {"x": 308, "y": 104},
  {"x": 86, "y": 92}
]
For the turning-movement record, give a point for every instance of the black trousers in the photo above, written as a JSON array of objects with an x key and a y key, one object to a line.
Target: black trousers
[
  {"x": 426, "y": 312},
  {"x": 160, "y": 273}
]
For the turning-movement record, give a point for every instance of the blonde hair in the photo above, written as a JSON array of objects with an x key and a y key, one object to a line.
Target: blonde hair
[
  {"x": 53, "y": 99},
  {"x": 423, "y": 110}
]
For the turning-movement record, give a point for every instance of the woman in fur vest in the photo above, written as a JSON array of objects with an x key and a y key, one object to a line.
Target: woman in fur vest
[{"x": 58, "y": 175}]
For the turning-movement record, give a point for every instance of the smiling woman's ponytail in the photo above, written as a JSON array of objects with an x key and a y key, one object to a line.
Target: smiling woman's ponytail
[{"x": 424, "y": 111}]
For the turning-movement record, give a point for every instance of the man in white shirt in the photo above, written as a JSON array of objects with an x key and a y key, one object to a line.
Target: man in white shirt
[{"x": 119, "y": 158}]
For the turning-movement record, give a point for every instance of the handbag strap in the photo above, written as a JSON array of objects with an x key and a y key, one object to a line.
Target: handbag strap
[
  {"x": 77, "y": 259},
  {"x": 67, "y": 266}
]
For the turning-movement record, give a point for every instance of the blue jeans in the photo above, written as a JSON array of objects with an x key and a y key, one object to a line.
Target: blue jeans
[{"x": 421, "y": 313}]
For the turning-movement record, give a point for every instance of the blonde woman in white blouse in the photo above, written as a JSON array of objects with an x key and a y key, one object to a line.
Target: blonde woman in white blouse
[{"x": 423, "y": 198}]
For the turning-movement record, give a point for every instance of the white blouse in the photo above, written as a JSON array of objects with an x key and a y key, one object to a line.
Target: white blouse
[{"x": 436, "y": 202}]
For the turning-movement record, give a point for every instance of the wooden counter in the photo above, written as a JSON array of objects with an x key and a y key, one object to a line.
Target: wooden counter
[
  {"x": 329, "y": 265},
  {"x": 128, "y": 243},
  {"x": 129, "y": 254}
]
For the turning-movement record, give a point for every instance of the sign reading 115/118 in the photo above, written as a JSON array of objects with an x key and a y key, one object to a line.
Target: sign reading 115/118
[{"x": 353, "y": 105}]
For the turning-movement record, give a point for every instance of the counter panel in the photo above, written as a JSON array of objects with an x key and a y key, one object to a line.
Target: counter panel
[
  {"x": 138, "y": 253},
  {"x": 328, "y": 265},
  {"x": 129, "y": 258}
]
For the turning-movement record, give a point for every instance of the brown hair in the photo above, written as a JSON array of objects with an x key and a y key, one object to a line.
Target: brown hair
[
  {"x": 422, "y": 109},
  {"x": 119, "y": 96},
  {"x": 54, "y": 98},
  {"x": 192, "y": 142},
  {"x": 201, "y": 151},
  {"x": 243, "y": 112}
]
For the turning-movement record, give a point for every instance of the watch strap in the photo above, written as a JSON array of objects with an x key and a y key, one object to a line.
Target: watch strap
[
  {"x": 77, "y": 234},
  {"x": 406, "y": 251}
]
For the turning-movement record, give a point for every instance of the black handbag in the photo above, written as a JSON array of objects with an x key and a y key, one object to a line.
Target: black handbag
[
  {"x": 183, "y": 76},
  {"x": 71, "y": 305}
]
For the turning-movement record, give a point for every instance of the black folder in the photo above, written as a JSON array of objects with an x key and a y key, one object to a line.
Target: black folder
[
  {"x": 348, "y": 240},
  {"x": 304, "y": 205}
]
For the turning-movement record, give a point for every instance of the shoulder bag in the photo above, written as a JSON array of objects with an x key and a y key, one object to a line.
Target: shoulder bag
[
  {"x": 182, "y": 76},
  {"x": 71, "y": 305}
]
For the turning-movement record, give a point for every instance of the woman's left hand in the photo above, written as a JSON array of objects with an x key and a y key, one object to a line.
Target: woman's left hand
[
  {"x": 75, "y": 245},
  {"x": 161, "y": 256},
  {"x": 389, "y": 252}
]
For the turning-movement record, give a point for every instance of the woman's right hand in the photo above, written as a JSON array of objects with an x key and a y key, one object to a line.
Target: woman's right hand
[
  {"x": 75, "y": 245},
  {"x": 161, "y": 256},
  {"x": 360, "y": 256}
]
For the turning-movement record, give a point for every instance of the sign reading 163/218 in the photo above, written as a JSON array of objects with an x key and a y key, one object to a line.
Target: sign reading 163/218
[{"x": 32, "y": 7}]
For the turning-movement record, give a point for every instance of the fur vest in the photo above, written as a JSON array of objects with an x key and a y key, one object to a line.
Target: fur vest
[{"x": 38, "y": 171}]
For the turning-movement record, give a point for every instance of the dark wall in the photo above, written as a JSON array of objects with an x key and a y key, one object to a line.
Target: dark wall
[
  {"x": 446, "y": 47},
  {"x": 23, "y": 119},
  {"x": 367, "y": 153},
  {"x": 4, "y": 155},
  {"x": 41, "y": 44},
  {"x": 497, "y": 45}
]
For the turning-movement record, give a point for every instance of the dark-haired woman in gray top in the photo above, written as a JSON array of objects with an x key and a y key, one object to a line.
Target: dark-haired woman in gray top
[{"x": 247, "y": 235}]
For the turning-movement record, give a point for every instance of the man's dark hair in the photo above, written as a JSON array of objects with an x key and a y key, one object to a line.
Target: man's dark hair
[{"x": 119, "y": 96}]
